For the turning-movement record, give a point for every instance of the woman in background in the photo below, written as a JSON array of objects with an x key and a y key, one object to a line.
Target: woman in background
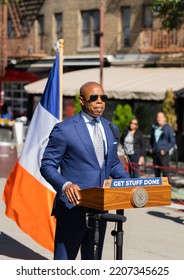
[{"x": 133, "y": 143}]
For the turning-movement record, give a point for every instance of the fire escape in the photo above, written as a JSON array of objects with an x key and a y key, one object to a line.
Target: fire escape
[
  {"x": 17, "y": 30},
  {"x": 162, "y": 41},
  {"x": 23, "y": 14}
]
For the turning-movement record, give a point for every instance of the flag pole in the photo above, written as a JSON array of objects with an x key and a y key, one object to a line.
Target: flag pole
[{"x": 61, "y": 45}]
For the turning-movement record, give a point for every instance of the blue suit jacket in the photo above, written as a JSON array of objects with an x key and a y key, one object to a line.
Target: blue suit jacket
[{"x": 70, "y": 150}]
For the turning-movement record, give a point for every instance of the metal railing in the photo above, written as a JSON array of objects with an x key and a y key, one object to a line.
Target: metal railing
[{"x": 24, "y": 46}]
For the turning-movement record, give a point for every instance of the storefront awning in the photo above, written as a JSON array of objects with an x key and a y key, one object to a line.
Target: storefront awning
[{"x": 121, "y": 82}]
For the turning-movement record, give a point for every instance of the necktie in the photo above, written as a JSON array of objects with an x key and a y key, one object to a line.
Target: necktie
[{"x": 98, "y": 142}]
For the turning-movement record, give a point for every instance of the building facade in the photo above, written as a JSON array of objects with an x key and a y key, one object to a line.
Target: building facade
[
  {"x": 126, "y": 30},
  {"x": 128, "y": 27}
]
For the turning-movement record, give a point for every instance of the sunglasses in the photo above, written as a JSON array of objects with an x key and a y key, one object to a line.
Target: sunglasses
[
  {"x": 134, "y": 123},
  {"x": 94, "y": 98}
]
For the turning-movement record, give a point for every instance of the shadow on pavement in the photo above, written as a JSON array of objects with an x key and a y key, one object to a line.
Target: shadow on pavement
[
  {"x": 179, "y": 220},
  {"x": 12, "y": 248}
]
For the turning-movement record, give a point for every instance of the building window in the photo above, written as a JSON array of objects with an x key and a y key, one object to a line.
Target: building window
[
  {"x": 41, "y": 30},
  {"x": 25, "y": 26},
  {"x": 10, "y": 28},
  {"x": 58, "y": 26},
  {"x": 15, "y": 97},
  {"x": 147, "y": 16},
  {"x": 40, "y": 25},
  {"x": 126, "y": 31},
  {"x": 90, "y": 29}
]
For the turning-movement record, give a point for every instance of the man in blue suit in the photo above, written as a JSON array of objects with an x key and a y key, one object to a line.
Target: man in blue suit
[{"x": 70, "y": 164}]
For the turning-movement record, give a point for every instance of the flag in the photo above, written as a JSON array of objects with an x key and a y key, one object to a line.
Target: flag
[{"x": 27, "y": 195}]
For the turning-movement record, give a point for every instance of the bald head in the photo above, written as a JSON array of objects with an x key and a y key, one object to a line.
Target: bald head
[
  {"x": 92, "y": 98},
  {"x": 89, "y": 86}
]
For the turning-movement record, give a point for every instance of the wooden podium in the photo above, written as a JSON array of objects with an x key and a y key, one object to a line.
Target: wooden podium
[
  {"x": 122, "y": 194},
  {"x": 128, "y": 193}
]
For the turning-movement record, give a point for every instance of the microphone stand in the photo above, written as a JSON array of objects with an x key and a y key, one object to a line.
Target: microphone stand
[
  {"x": 119, "y": 232},
  {"x": 119, "y": 236},
  {"x": 119, "y": 218}
]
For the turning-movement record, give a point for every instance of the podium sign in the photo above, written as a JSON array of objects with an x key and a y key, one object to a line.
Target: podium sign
[{"x": 128, "y": 193}]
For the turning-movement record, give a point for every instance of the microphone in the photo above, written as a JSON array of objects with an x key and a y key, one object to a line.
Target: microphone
[
  {"x": 114, "y": 132},
  {"x": 117, "y": 138}
]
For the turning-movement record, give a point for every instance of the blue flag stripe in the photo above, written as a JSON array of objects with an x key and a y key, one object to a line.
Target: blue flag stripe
[{"x": 51, "y": 97}]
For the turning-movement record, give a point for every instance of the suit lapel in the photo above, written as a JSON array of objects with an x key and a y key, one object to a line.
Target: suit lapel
[
  {"x": 109, "y": 136},
  {"x": 84, "y": 135}
]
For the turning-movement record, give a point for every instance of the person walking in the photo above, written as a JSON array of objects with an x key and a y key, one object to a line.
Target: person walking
[
  {"x": 162, "y": 140},
  {"x": 133, "y": 143},
  {"x": 73, "y": 161}
]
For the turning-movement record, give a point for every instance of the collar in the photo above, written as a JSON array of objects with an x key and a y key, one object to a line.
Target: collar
[{"x": 88, "y": 118}]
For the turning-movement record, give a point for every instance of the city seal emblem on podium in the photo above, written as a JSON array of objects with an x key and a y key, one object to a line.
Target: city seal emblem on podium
[{"x": 139, "y": 197}]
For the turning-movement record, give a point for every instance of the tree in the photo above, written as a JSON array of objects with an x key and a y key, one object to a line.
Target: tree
[
  {"x": 169, "y": 109},
  {"x": 171, "y": 12},
  {"x": 122, "y": 116},
  {"x": 77, "y": 106}
]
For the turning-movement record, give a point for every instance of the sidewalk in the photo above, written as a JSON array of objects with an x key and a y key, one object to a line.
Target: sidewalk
[
  {"x": 154, "y": 233},
  {"x": 149, "y": 233}
]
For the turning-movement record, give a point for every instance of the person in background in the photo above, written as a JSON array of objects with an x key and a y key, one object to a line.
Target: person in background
[
  {"x": 6, "y": 112},
  {"x": 70, "y": 164},
  {"x": 161, "y": 141},
  {"x": 133, "y": 143}
]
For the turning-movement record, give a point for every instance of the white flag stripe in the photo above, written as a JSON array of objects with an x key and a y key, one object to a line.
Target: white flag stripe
[{"x": 36, "y": 141}]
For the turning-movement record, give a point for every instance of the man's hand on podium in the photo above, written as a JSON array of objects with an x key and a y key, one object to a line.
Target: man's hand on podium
[{"x": 72, "y": 193}]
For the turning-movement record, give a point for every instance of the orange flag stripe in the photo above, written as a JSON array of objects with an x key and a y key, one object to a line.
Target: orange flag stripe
[{"x": 33, "y": 214}]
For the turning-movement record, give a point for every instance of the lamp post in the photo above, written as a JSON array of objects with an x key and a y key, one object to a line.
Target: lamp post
[{"x": 101, "y": 40}]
